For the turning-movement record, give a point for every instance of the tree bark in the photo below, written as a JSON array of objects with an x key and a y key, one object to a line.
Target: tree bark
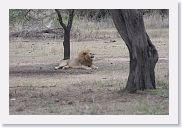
[
  {"x": 143, "y": 54},
  {"x": 67, "y": 29},
  {"x": 66, "y": 45}
]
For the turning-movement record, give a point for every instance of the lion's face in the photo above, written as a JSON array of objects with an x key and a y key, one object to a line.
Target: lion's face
[
  {"x": 86, "y": 54},
  {"x": 91, "y": 55},
  {"x": 86, "y": 57}
]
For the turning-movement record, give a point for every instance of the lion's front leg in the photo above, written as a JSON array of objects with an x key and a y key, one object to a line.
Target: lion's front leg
[
  {"x": 86, "y": 67},
  {"x": 81, "y": 67}
]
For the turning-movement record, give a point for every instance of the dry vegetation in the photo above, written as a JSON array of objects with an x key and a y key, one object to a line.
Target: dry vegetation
[{"x": 36, "y": 88}]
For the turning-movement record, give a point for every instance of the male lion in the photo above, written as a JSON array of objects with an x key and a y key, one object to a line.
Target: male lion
[{"x": 83, "y": 61}]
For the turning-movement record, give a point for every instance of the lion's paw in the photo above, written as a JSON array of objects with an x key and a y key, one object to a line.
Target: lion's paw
[{"x": 56, "y": 68}]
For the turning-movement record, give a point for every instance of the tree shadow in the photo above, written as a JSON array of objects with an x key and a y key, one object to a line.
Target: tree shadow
[{"x": 43, "y": 69}]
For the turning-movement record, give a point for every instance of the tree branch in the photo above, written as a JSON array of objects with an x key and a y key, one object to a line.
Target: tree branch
[
  {"x": 60, "y": 19},
  {"x": 70, "y": 19}
]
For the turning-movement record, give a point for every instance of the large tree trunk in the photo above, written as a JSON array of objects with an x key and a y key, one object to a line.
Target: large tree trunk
[{"x": 143, "y": 54}]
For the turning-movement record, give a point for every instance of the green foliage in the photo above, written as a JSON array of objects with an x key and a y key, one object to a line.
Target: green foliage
[
  {"x": 31, "y": 19},
  {"x": 162, "y": 12},
  {"x": 17, "y": 15},
  {"x": 93, "y": 14},
  {"x": 55, "y": 24}
]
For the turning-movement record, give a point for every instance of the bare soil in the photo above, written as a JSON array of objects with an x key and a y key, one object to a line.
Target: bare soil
[{"x": 36, "y": 88}]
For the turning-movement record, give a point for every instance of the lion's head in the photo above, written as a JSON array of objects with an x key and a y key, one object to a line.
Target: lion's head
[{"x": 86, "y": 57}]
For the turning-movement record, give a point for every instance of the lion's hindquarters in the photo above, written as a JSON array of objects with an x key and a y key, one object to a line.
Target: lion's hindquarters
[
  {"x": 62, "y": 64},
  {"x": 94, "y": 67}
]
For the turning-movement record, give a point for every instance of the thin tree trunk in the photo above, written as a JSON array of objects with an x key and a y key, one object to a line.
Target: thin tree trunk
[
  {"x": 67, "y": 29},
  {"x": 66, "y": 45},
  {"x": 143, "y": 54}
]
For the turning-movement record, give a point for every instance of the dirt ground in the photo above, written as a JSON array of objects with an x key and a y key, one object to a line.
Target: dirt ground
[{"x": 36, "y": 88}]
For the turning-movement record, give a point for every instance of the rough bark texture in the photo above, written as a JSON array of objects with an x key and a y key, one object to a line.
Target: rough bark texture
[
  {"x": 143, "y": 54},
  {"x": 66, "y": 45},
  {"x": 67, "y": 29}
]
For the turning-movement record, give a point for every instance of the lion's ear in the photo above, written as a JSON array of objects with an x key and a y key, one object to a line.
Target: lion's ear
[{"x": 85, "y": 52}]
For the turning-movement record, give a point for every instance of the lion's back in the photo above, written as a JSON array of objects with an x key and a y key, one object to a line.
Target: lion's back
[{"x": 74, "y": 62}]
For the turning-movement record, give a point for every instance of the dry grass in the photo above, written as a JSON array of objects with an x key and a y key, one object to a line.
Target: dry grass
[
  {"x": 155, "y": 21},
  {"x": 36, "y": 88},
  {"x": 84, "y": 29},
  {"x": 89, "y": 30}
]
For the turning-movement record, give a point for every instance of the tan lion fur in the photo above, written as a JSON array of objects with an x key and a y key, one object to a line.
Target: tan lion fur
[{"x": 84, "y": 61}]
